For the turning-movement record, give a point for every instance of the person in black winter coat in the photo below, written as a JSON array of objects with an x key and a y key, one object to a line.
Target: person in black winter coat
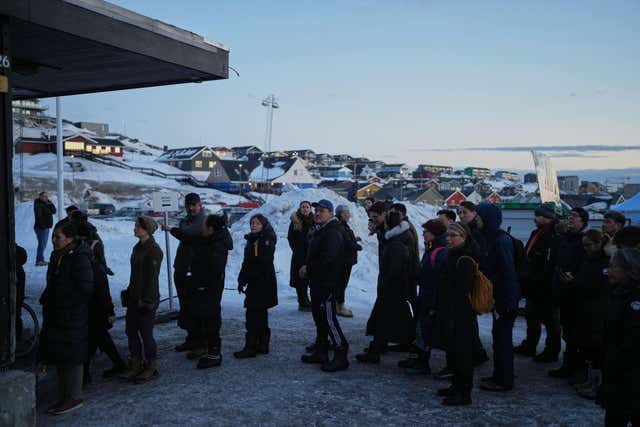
[
  {"x": 540, "y": 308},
  {"x": 620, "y": 391},
  {"x": 191, "y": 225},
  {"x": 429, "y": 280},
  {"x": 351, "y": 249},
  {"x": 101, "y": 312},
  {"x": 592, "y": 292},
  {"x": 566, "y": 257},
  {"x": 469, "y": 217},
  {"x": 65, "y": 312},
  {"x": 501, "y": 270},
  {"x": 21, "y": 260},
  {"x": 455, "y": 317},
  {"x": 324, "y": 267},
  {"x": 391, "y": 318},
  {"x": 43, "y": 211},
  {"x": 298, "y": 237},
  {"x": 257, "y": 279},
  {"x": 207, "y": 284}
]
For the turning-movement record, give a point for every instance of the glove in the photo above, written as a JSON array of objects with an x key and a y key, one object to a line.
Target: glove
[{"x": 241, "y": 287}]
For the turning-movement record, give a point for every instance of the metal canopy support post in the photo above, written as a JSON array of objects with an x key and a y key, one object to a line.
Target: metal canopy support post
[
  {"x": 168, "y": 258},
  {"x": 59, "y": 157},
  {"x": 7, "y": 233}
]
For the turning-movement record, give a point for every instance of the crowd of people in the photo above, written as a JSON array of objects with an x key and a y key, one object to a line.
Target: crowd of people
[{"x": 582, "y": 285}]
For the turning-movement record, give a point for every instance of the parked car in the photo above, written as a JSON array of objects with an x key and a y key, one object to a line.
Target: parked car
[{"x": 102, "y": 209}]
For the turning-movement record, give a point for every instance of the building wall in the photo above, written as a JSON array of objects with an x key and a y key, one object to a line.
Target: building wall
[
  {"x": 34, "y": 148},
  {"x": 297, "y": 174}
]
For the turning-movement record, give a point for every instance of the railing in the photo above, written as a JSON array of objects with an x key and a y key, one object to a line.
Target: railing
[{"x": 183, "y": 178}]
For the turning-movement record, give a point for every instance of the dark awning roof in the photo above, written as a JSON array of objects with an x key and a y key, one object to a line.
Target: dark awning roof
[{"x": 67, "y": 47}]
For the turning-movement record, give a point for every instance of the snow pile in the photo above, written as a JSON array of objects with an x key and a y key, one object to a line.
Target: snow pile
[{"x": 362, "y": 286}]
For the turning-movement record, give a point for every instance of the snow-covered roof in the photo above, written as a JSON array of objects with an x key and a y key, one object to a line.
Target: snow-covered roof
[{"x": 181, "y": 154}]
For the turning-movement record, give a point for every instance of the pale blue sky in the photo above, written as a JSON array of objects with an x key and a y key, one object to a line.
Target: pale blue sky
[{"x": 389, "y": 78}]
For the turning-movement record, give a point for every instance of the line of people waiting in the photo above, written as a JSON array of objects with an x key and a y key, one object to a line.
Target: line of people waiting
[{"x": 573, "y": 287}]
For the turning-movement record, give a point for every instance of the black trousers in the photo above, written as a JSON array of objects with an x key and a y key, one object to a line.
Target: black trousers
[
  {"x": 257, "y": 321},
  {"x": 459, "y": 357},
  {"x": 568, "y": 320},
  {"x": 340, "y": 291},
  {"x": 185, "y": 320},
  {"x": 537, "y": 314},
  {"x": 479, "y": 353},
  {"x": 323, "y": 308},
  {"x": 99, "y": 338},
  {"x": 502, "y": 332}
]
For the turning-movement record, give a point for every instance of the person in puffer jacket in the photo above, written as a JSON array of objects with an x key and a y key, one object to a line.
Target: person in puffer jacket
[{"x": 501, "y": 270}]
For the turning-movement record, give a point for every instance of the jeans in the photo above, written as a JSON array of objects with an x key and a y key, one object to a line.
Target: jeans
[
  {"x": 139, "y": 329},
  {"x": 43, "y": 236},
  {"x": 503, "y": 348}
]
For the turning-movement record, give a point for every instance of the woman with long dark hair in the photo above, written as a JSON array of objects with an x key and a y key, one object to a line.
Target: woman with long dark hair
[
  {"x": 455, "y": 315},
  {"x": 65, "y": 310},
  {"x": 257, "y": 280},
  {"x": 298, "y": 237}
]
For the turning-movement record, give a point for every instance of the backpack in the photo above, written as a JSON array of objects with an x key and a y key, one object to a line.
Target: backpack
[
  {"x": 481, "y": 296},
  {"x": 521, "y": 262}
]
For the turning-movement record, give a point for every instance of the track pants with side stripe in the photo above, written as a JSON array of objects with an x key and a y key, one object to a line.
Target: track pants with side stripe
[{"x": 323, "y": 307}]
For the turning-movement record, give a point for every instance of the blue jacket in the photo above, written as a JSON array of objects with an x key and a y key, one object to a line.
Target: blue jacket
[{"x": 500, "y": 262}]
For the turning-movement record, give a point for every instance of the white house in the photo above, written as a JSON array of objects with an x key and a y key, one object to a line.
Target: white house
[{"x": 275, "y": 172}]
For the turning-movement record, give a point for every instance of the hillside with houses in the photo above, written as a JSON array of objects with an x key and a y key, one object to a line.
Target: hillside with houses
[{"x": 248, "y": 170}]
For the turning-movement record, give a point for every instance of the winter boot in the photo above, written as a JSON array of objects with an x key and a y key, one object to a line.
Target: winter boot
[
  {"x": 320, "y": 354},
  {"x": 148, "y": 373},
  {"x": 371, "y": 355},
  {"x": 211, "y": 359},
  {"x": 445, "y": 374},
  {"x": 339, "y": 362},
  {"x": 187, "y": 345},
  {"x": 249, "y": 349},
  {"x": 525, "y": 349},
  {"x": 343, "y": 311},
  {"x": 446, "y": 392},
  {"x": 196, "y": 352},
  {"x": 421, "y": 367},
  {"x": 303, "y": 300},
  {"x": 135, "y": 367},
  {"x": 117, "y": 369},
  {"x": 546, "y": 357},
  {"x": 263, "y": 342},
  {"x": 563, "y": 370},
  {"x": 457, "y": 399},
  {"x": 66, "y": 407},
  {"x": 590, "y": 391}
]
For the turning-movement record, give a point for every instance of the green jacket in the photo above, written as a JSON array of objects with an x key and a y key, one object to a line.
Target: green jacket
[{"x": 146, "y": 260}]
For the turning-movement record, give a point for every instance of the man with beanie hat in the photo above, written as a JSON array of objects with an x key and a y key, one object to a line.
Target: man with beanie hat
[
  {"x": 501, "y": 270},
  {"x": 565, "y": 259},
  {"x": 613, "y": 222},
  {"x": 539, "y": 309},
  {"x": 351, "y": 248},
  {"x": 189, "y": 226}
]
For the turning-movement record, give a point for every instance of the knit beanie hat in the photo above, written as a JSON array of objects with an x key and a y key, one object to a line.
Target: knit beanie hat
[
  {"x": 546, "y": 211},
  {"x": 435, "y": 227},
  {"x": 148, "y": 224},
  {"x": 584, "y": 215}
]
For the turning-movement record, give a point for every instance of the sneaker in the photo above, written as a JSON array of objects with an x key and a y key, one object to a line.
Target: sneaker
[
  {"x": 53, "y": 407},
  {"x": 457, "y": 399},
  {"x": 494, "y": 386},
  {"x": 420, "y": 368},
  {"x": 66, "y": 407},
  {"x": 444, "y": 374},
  {"x": 41, "y": 263},
  {"x": 343, "y": 311},
  {"x": 209, "y": 360},
  {"x": 196, "y": 353}
]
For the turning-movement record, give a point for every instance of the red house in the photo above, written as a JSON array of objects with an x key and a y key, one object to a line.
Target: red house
[
  {"x": 74, "y": 144},
  {"x": 455, "y": 199},
  {"x": 493, "y": 198},
  {"x": 40, "y": 144}
]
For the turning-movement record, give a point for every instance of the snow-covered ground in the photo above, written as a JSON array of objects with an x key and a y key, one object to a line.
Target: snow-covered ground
[{"x": 278, "y": 389}]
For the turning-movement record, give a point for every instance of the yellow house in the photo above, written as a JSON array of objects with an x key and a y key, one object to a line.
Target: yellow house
[{"x": 368, "y": 191}]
